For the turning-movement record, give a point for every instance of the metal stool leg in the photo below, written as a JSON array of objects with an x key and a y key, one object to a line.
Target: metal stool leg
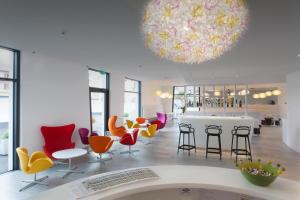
[
  {"x": 207, "y": 141},
  {"x": 183, "y": 140},
  {"x": 178, "y": 143},
  {"x": 232, "y": 138},
  {"x": 236, "y": 148},
  {"x": 249, "y": 148},
  {"x": 194, "y": 142},
  {"x": 220, "y": 148},
  {"x": 189, "y": 144}
]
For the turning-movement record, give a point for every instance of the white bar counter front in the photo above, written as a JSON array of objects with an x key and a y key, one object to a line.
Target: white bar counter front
[{"x": 199, "y": 123}]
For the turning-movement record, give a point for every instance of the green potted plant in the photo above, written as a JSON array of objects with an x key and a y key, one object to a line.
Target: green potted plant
[
  {"x": 260, "y": 173},
  {"x": 4, "y": 143}
]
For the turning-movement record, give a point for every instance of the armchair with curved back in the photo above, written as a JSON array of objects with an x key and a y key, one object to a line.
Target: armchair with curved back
[
  {"x": 100, "y": 145},
  {"x": 113, "y": 129},
  {"x": 57, "y": 138},
  {"x": 150, "y": 132},
  {"x": 84, "y": 136},
  {"x": 162, "y": 117},
  {"x": 131, "y": 124},
  {"x": 129, "y": 140},
  {"x": 33, "y": 164},
  {"x": 140, "y": 120}
]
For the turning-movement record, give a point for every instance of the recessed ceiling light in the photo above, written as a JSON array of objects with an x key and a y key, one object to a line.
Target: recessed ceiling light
[{"x": 298, "y": 55}]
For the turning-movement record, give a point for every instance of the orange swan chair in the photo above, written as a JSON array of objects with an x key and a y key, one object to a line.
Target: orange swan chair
[
  {"x": 100, "y": 145},
  {"x": 115, "y": 131},
  {"x": 140, "y": 120}
]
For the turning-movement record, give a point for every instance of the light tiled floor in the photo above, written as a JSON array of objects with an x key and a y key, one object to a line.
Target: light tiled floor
[
  {"x": 3, "y": 164},
  {"x": 163, "y": 151}
]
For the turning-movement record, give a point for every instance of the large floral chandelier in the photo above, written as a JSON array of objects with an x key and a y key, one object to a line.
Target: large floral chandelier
[{"x": 193, "y": 31}]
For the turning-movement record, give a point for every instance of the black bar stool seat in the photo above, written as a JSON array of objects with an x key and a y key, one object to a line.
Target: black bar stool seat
[
  {"x": 186, "y": 129},
  {"x": 213, "y": 131},
  {"x": 242, "y": 132}
]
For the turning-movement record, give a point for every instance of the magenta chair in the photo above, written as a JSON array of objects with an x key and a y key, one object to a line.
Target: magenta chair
[
  {"x": 162, "y": 117},
  {"x": 84, "y": 136}
]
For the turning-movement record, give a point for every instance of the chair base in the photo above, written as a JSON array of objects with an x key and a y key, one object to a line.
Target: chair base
[
  {"x": 101, "y": 160},
  {"x": 129, "y": 152},
  {"x": 34, "y": 182},
  {"x": 111, "y": 152}
]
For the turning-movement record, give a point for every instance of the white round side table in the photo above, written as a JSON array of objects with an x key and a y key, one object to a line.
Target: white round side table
[{"x": 68, "y": 154}]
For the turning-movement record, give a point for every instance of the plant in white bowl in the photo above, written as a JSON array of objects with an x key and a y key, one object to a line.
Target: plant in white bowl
[{"x": 4, "y": 143}]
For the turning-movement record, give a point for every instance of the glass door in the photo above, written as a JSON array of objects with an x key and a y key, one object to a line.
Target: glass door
[
  {"x": 99, "y": 100},
  {"x": 98, "y": 112},
  {"x": 9, "y": 109}
]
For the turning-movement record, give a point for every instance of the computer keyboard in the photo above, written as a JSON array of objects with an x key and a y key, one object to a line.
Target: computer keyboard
[{"x": 105, "y": 182}]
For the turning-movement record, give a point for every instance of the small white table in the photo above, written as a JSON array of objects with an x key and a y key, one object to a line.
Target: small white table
[{"x": 69, "y": 154}]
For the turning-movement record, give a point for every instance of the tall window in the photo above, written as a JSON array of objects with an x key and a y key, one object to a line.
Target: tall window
[
  {"x": 132, "y": 99},
  {"x": 9, "y": 108},
  {"x": 99, "y": 100}
]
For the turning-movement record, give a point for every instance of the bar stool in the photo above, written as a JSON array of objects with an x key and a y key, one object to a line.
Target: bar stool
[
  {"x": 186, "y": 129},
  {"x": 214, "y": 131},
  {"x": 241, "y": 132}
]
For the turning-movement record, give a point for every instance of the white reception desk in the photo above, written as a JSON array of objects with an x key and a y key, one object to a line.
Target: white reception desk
[
  {"x": 229, "y": 180},
  {"x": 200, "y": 122}
]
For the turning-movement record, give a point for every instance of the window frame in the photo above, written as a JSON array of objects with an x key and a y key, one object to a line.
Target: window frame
[
  {"x": 16, "y": 104},
  {"x": 139, "y": 92},
  {"x": 173, "y": 98},
  {"x": 106, "y": 93}
]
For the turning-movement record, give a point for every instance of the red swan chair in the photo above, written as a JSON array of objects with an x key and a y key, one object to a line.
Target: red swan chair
[{"x": 57, "y": 138}]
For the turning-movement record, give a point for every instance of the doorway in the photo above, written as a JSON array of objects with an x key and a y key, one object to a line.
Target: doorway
[
  {"x": 9, "y": 108},
  {"x": 99, "y": 100}
]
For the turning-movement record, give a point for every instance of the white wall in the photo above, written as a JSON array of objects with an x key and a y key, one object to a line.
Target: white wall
[
  {"x": 292, "y": 130},
  {"x": 151, "y": 102},
  {"x": 116, "y": 104},
  {"x": 53, "y": 92},
  {"x": 56, "y": 92}
]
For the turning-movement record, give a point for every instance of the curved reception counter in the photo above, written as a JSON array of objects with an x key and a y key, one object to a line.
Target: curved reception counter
[
  {"x": 181, "y": 182},
  {"x": 200, "y": 122}
]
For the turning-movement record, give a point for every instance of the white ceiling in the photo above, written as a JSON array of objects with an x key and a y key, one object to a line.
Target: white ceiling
[{"x": 106, "y": 33}]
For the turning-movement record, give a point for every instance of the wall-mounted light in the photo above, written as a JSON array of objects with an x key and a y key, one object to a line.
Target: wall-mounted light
[
  {"x": 158, "y": 92},
  {"x": 164, "y": 95},
  {"x": 243, "y": 92},
  {"x": 256, "y": 96},
  {"x": 276, "y": 92},
  {"x": 217, "y": 93},
  {"x": 232, "y": 94},
  {"x": 262, "y": 95},
  {"x": 269, "y": 93}
]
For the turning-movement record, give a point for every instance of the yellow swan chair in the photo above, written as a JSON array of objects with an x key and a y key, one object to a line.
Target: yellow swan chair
[
  {"x": 130, "y": 124},
  {"x": 37, "y": 162},
  {"x": 150, "y": 132}
]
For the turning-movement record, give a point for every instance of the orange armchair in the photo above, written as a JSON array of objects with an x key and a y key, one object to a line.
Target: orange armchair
[
  {"x": 37, "y": 162},
  {"x": 115, "y": 131},
  {"x": 140, "y": 120},
  {"x": 100, "y": 145}
]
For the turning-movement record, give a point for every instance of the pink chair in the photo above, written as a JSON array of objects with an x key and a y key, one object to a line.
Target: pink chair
[
  {"x": 162, "y": 117},
  {"x": 84, "y": 135}
]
